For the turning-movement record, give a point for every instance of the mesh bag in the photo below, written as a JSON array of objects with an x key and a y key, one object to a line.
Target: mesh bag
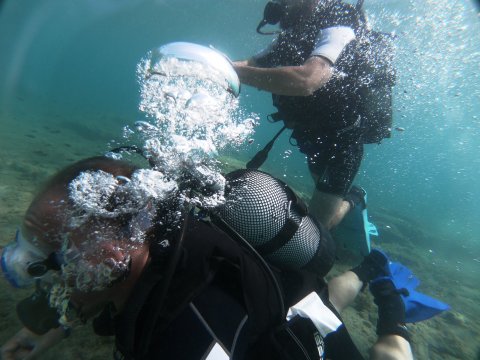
[{"x": 269, "y": 216}]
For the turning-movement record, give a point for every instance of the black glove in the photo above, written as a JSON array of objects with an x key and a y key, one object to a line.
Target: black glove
[
  {"x": 373, "y": 265},
  {"x": 391, "y": 309}
]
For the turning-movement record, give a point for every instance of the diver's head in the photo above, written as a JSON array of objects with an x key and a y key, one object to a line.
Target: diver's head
[
  {"x": 39, "y": 242},
  {"x": 295, "y": 11},
  {"x": 286, "y": 13},
  {"x": 82, "y": 254}
]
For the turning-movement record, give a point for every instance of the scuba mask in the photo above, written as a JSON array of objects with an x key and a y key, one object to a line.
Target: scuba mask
[
  {"x": 272, "y": 14},
  {"x": 22, "y": 262}
]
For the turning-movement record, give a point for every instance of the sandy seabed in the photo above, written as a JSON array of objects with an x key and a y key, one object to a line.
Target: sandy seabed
[{"x": 30, "y": 154}]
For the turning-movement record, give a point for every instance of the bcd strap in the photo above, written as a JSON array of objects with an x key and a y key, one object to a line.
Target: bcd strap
[
  {"x": 274, "y": 117},
  {"x": 125, "y": 328},
  {"x": 159, "y": 297},
  {"x": 283, "y": 236},
  {"x": 153, "y": 288},
  {"x": 225, "y": 227},
  {"x": 289, "y": 228}
]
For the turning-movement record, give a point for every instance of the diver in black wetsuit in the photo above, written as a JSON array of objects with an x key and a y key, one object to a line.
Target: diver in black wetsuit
[
  {"x": 191, "y": 293},
  {"x": 317, "y": 69}
]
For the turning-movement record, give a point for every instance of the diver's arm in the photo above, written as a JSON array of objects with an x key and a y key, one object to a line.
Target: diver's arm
[
  {"x": 300, "y": 80},
  {"x": 27, "y": 345},
  {"x": 249, "y": 62}
]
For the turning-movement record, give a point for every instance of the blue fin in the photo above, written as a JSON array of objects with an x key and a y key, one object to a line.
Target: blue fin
[
  {"x": 355, "y": 230},
  {"x": 402, "y": 276},
  {"x": 418, "y": 306}
]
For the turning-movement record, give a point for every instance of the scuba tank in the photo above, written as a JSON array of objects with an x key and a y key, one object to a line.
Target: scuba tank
[{"x": 275, "y": 222}]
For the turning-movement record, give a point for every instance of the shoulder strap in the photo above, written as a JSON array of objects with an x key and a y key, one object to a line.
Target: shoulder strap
[
  {"x": 158, "y": 297},
  {"x": 218, "y": 221},
  {"x": 152, "y": 286}
]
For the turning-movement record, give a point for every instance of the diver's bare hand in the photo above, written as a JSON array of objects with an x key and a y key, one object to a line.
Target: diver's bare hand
[{"x": 26, "y": 345}]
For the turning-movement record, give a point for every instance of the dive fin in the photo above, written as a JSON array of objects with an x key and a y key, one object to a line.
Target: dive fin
[
  {"x": 355, "y": 230},
  {"x": 420, "y": 307}
]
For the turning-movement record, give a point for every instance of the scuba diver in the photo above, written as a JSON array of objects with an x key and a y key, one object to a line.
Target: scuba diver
[
  {"x": 331, "y": 79},
  {"x": 173, "y": 282}
]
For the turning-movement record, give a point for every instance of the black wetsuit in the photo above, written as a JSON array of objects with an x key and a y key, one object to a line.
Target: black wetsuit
[
  {"x": 220, "y": 299},
  {"x": 326, "y": 125}
]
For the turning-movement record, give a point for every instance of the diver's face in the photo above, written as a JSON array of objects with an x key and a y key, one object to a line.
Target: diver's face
[{"x": 89, "y": 303}]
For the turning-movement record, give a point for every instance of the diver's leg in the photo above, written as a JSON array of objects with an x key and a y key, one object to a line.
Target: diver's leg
[
  {"x": 327, "y": 208},
  {"x": 333, "y": 171},
  {"x": 343, "y": 289}
]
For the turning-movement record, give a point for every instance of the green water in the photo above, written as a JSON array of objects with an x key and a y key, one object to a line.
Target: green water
[{"x": 68, "y": 87}]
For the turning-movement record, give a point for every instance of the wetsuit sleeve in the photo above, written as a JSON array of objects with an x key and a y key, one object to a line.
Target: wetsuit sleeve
[{"x": 331, "y": 41}]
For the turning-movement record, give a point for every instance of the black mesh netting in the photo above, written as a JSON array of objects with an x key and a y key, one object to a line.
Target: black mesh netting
[{"x": 257, "y": 207}]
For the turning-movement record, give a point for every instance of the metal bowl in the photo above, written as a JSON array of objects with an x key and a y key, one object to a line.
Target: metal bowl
[{"x": 208, "y": 56}]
